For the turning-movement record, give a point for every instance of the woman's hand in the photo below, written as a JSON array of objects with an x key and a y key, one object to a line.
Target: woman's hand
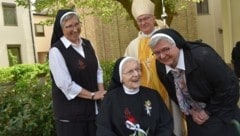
[
  {"x": 99, "y": 94},
  {"x": 199, "y": 116}
]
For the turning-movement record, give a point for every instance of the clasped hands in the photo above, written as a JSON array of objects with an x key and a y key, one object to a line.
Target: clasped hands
[
  {"x": 99, "y": 94},
  {"x": 199, "y": 116}
]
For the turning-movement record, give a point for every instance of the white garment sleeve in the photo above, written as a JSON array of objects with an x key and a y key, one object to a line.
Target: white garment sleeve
[
  {"x": 132, "y": 48},
  {"x": 99, "y": 70},
  {"x": 61, "y": 74},
  {"x": 99, "y": 74}
]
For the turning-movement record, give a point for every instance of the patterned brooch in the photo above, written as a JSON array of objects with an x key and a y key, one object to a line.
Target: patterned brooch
[{"x": 148, "y": 107}]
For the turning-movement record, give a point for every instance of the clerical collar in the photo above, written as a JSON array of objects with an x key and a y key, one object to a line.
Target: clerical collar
[
  {"x": 180, "y": 64},
  {"x": 148, "y": 35},
  {"x": 130, "y": 91}
]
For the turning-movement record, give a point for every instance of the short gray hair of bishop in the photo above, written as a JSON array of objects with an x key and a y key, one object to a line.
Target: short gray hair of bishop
[{"x": 160, "y": 36}]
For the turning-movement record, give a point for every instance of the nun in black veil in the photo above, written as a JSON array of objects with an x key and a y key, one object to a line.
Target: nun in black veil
[
  {"x": 198, "y": 80},
  {"x": 131, "y": 109},
  {"x": 77, "y": 77},
  {"x": 57, "y": 29}
]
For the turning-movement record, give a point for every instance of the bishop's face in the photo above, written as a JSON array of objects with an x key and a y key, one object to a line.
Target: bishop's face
[
  {"x": 131, "y": 74},
  {"x": 146, "y": 23}
]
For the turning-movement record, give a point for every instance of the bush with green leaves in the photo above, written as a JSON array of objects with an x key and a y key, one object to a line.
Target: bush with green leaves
[
  {"x": 26, "y": 102},
  {"x": 107, "y": 67}
]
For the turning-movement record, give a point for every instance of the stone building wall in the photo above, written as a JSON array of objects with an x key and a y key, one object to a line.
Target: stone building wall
[
  {"x": 185, "y": 22},
  {"x": 109, "y": 38}
]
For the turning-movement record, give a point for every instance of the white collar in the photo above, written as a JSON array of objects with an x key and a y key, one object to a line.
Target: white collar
[
  {"x": 68, "y": 43},
  {"x": 130, "y": 91}
]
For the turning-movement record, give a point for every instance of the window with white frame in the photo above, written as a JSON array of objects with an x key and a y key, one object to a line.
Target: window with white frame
[{"x": 39, "y": 30}]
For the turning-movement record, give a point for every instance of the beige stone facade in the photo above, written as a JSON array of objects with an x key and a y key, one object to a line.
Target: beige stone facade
[
  {"x": 42, "y": 42},
  {"x": 109, "y": 39}
]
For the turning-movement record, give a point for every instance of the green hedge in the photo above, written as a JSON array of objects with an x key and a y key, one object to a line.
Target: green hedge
[{"x": 25, "y": 99}]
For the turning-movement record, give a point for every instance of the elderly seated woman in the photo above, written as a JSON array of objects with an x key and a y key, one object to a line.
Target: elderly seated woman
[{"x": 129, "y": 109}]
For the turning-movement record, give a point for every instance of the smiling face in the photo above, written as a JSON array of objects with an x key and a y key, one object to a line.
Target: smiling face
[
  {"x": 72, "y": 28},
  {"x": 166, "y": 53},
  {"x": 131, "y": 74},
  {"x": 146, "y": 23}
]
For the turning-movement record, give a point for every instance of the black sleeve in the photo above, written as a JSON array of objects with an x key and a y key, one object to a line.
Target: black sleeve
[
  {"x": 165, "y": 125},
  {"x": 222, "y": 81},
  {"x": 236, "y": 61},
  {"x": 103, "y": 121}
]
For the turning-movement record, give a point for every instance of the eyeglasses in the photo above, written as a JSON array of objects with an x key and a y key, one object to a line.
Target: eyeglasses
[
  {"x": 72, "y": 26},
  {"x": 131, "y": 72},
  {"x": 143, "y": 19},
  {"x": 164, "y": 51}
]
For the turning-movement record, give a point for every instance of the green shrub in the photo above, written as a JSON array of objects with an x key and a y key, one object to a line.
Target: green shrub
[
  {"x": 107, "y": 67},
  {"x": 25, "y": 99}
]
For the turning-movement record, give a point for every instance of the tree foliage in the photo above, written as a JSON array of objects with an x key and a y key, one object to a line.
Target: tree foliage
[{"x": 103, "y": 8}]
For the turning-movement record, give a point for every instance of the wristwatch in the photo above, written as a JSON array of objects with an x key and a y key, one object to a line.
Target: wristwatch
[{"x": 92, "y": 95}]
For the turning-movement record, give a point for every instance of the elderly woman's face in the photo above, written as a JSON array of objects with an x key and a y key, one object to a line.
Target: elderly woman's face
[
  {"x": 131, "y": 74},
  {"x": 72, "y": 29},
  {"x": 166, "y": 53}
]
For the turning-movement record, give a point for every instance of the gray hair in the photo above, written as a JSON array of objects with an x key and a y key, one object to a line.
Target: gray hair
[
  {"x": 67, "y": 16},
  {"x": 158, "y": 37}
]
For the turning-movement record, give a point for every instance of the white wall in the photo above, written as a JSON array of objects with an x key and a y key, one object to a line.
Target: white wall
[
  {"x": 235, "y": 16},
  {"x": 20, "y": 34},
  {"x": 231, "y": 26},
  {"x": 209, "y": 26}
]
